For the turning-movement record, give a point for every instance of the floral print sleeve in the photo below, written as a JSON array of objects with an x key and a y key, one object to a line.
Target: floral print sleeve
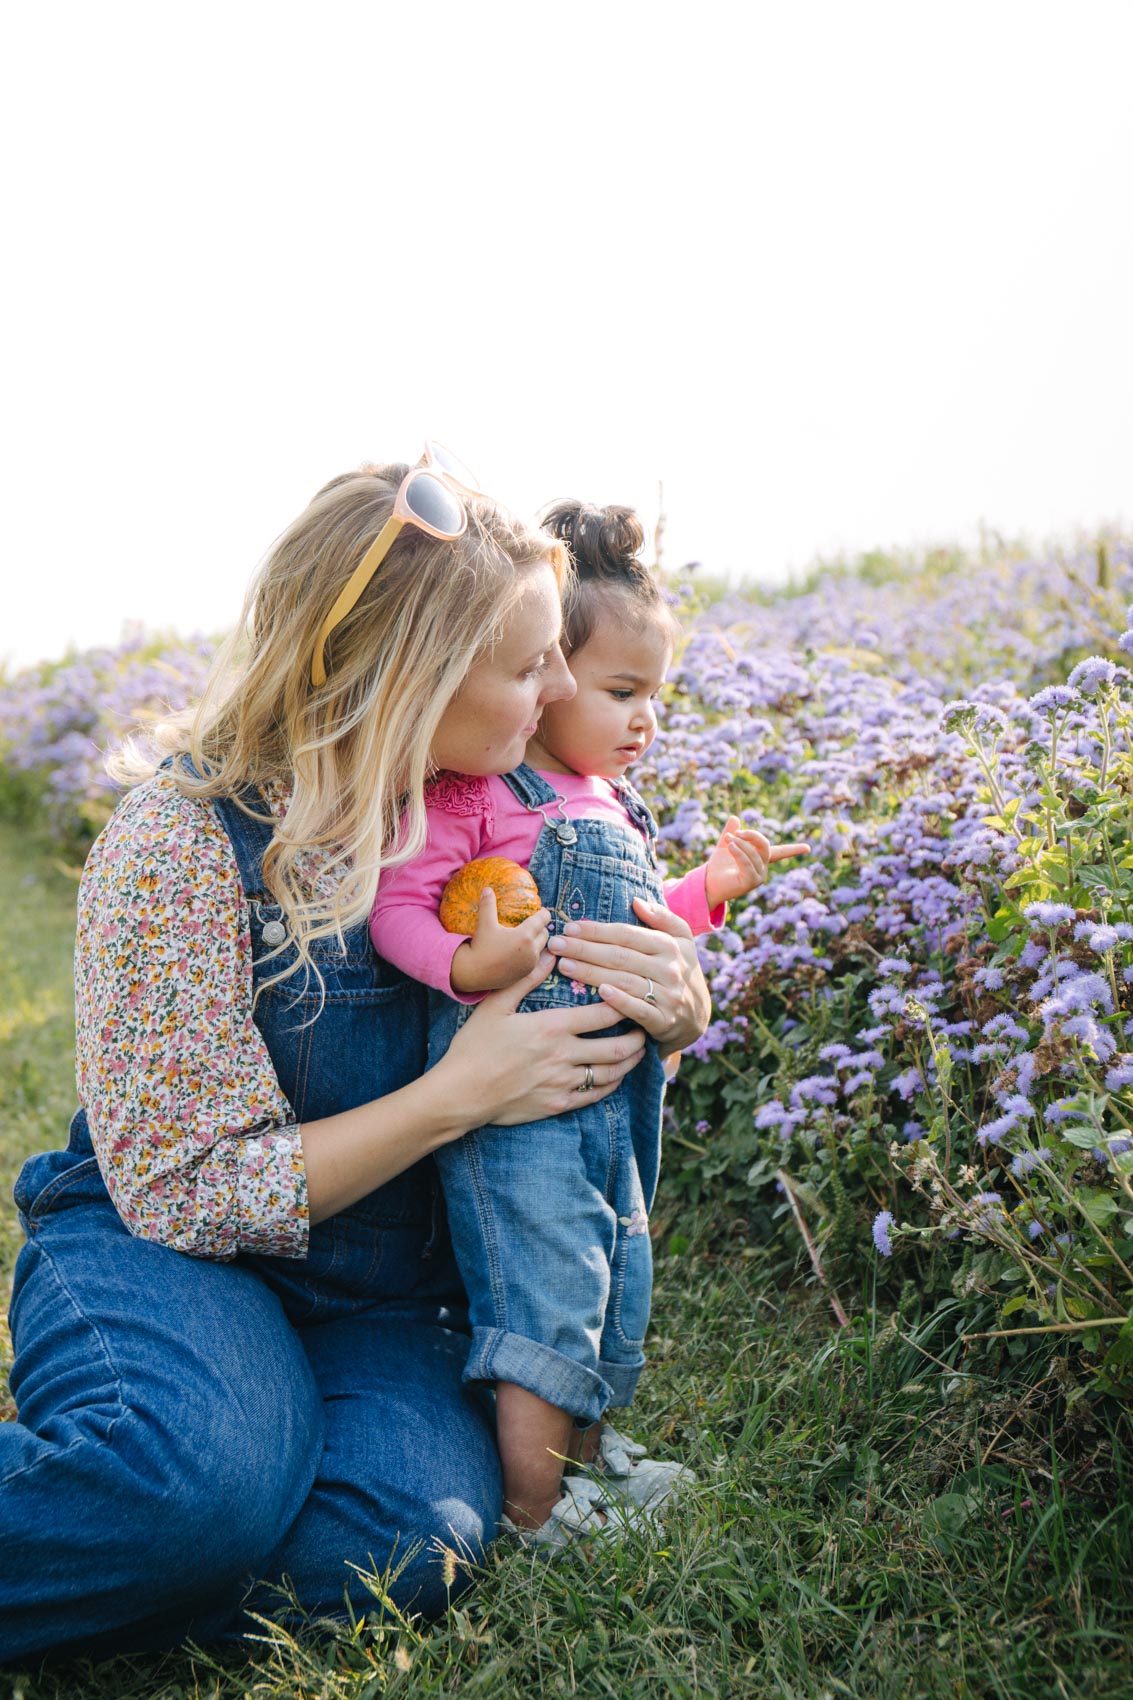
[{"x": 195, "y": 1139}]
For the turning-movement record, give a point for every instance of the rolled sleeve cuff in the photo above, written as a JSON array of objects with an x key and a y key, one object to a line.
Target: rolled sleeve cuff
[
  {"x": 688, "y": 898},
  {"x": 271, "y": 1194}
]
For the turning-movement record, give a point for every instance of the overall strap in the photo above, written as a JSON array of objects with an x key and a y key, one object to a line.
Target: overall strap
[
  {"x": 637, "y": 809},
  {"x": 529, "y": 787},
  {"x": 533, "y": 791}
]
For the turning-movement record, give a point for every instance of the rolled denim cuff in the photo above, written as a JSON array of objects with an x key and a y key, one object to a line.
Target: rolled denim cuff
[
  {"x": 622, "y": 1379},
  {"x": 499, "y": 1355}
]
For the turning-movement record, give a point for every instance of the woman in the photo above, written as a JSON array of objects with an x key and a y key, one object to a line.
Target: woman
[{"x": 237, "y": 1319}]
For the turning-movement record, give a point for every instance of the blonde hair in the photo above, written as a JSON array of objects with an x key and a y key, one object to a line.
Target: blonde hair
[{"x": 356, "y": 749}]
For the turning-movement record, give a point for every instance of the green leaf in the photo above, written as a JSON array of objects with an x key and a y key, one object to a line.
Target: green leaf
[
  {"x": 945, "y": 1518},
  {"x": 1120, "y": 1354},
  {"x": 1083, "y": 1137},
  {"x": 1098, "y": 879},
  {"x": 1098, "y": 1205}
]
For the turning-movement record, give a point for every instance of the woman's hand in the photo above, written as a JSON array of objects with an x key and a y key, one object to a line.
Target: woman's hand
[
  {"x": 507, "y": 1067},
  {"x": 648, "y": 974}
]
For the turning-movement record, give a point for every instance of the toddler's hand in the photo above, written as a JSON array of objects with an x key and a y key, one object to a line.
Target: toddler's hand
[
  {"x": 740, "y": 861},
  {"x": 497, "y": 956}
]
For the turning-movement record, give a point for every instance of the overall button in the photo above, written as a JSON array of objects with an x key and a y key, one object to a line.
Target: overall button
[{"x": 274, "y": 932}]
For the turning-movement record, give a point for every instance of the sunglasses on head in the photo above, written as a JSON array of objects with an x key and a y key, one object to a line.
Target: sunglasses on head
[{"x": 426, "y": 498}]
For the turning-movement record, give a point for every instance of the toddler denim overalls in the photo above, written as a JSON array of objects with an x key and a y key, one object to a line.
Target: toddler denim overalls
[
  {"x": 549, "y": 1219},
  {"x": 188, "y": 1425}
]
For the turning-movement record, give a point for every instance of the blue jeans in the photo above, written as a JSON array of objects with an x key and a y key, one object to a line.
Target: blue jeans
[
  {"x": 549, "y": 1219},
  {"x": 169, "y": 1453},
  {"x": 190, "y": 1428}
]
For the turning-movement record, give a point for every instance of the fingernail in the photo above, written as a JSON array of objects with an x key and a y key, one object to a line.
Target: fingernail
[{"x": 571, "y": 929}]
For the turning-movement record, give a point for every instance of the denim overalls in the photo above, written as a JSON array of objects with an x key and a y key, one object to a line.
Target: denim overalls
[
  {"x": 186, "y": 1425},
  {"x": 549, "y": 1219}
]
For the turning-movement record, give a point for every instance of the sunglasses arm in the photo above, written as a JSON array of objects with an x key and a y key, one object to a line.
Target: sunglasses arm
[{"x": 351, "y": 591}]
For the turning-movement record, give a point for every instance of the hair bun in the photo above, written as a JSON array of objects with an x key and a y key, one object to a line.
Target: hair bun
[{"x": 603, "y": 542}]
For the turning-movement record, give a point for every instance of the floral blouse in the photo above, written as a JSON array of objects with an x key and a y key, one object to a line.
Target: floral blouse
[{"x": 195, "y": 1139}]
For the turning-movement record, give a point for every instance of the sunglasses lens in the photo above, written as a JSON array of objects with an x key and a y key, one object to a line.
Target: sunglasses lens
[
  {"x": 453, "y": 465},
  {"x": 431, "y": 500}
]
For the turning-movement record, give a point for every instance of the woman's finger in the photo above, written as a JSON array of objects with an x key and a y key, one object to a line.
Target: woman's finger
[{"x": 654, "y": 1017}]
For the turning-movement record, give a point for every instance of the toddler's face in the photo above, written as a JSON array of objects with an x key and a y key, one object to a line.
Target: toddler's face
[{"x": 610, "y": 720}]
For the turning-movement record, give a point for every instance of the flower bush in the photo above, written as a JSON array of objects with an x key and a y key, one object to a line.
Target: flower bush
[
  {"x": 923, "y": 1036},
  {"x": 921, "y": 1053},
  {"x": 58, "y": 720}
]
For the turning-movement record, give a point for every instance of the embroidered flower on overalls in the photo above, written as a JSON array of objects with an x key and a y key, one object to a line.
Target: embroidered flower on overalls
[
  {"x": 578, "y": 988},
  {"x": 638, "y": 1223}
]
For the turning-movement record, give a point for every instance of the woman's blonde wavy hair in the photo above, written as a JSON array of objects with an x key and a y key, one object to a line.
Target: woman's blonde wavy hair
[{"x": 356, "y": 750}]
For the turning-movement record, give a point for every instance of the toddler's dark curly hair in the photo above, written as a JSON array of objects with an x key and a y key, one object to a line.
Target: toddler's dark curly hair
[{"x": 604, "y": 546}]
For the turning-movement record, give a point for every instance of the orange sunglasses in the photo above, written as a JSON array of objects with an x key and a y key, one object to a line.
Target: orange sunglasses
[{"x": 425, "y": 498}]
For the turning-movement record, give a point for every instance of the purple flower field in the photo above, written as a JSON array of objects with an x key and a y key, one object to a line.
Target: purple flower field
[{"x": 927, "y": 1026}]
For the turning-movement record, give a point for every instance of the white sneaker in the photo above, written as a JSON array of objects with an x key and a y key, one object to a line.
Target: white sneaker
[
  {"x": 585, "y": 1511},
  {"x": 624, "y": 1470}
]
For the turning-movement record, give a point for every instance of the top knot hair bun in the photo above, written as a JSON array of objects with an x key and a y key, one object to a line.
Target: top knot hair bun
[
  {"x": 603, "y": 542},
  {"x": 604, "y": 545}
]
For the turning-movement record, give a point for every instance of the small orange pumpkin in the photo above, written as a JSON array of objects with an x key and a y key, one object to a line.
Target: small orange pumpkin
[{"x": 517, "y": 895}]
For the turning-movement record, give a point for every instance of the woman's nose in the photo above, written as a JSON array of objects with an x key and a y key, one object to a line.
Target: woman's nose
[{"x": 559, "y": 683}]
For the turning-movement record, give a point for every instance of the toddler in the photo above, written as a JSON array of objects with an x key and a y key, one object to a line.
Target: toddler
[{"x": 550, "y": 1220}]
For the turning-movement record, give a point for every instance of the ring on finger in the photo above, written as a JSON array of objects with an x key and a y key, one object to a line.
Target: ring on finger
[
  {"x": 650, "y": 995},
  {"x": 587, "y": 1081}
]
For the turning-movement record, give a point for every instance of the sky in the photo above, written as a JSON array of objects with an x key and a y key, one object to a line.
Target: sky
[{"x": 833, "y": 276}]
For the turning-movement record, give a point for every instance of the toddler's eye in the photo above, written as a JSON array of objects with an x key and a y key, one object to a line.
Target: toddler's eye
[{"x": 621, "y": 695}]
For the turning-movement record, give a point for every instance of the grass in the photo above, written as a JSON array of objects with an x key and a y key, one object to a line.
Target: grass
[{"x": 873, "y": 1518}]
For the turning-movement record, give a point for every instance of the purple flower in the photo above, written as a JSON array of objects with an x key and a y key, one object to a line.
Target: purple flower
[
  {"x": 907, "y": 1083},
  {"x": 1028, "y": 1161},
  {"x": 1090, "y": 675},
  {"x": 1121, "y": 1074},
  {"x": 882, "y": 1223},
  {"x": 770, "y": 1114},
  {"x": 1055, "y": 697},
  {"x": 1048, "y": 914}
]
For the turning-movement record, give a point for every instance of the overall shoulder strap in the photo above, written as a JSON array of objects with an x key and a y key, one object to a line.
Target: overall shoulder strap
[
  {"x": 636, "y": 808},
  {"x": 529, "y": 787}
]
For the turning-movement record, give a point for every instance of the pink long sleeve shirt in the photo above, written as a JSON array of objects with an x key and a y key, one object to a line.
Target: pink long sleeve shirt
[{"x": 472, "y": 817}]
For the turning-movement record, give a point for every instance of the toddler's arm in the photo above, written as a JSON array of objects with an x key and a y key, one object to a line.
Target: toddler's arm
[
  {"x": 740, "y": 861},
  {"x": 404, "y": 924}
]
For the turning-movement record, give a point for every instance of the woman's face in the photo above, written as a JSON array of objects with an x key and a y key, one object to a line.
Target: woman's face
[{"x": 486, "y": 726}]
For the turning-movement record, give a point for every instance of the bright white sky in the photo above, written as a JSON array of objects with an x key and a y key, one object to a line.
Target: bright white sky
[{"x": 838, "y": 274}]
